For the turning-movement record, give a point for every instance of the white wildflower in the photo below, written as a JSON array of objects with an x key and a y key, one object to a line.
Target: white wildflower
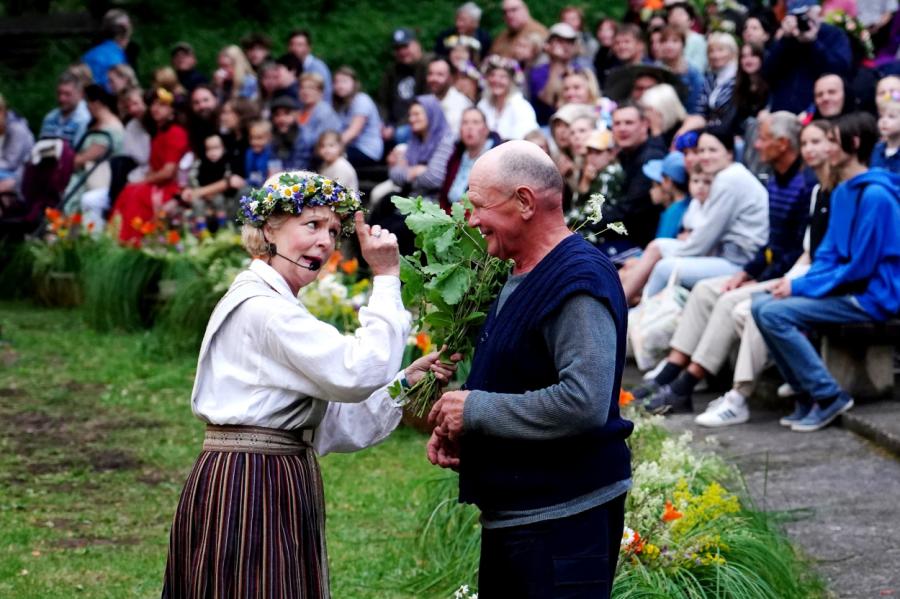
[
  {"x": 594, "y": 208},
  {"x": 618, "y": 227}
]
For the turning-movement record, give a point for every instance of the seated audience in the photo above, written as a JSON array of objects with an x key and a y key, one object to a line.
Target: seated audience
[
  {"x": 203, "y": 117},
  {"x": 518, "y": 24},
  {"x": 315, "y": 117},
  {"x": 420, "y": 170},
  {"x": 716, "y": 104},
  {"x": 729, "y": 315},
  {"x": 600, "y": 173},
  {"x": 211, "y": 185},
  {"x": 682, "y": 16},
  {"x": 234, "y": 78},
  {"x": 402, "y": 81},
  {"x": 69, "y": 120},
  {"x": 90, "y": 194},
  {"x": 16, "y": 141},
  {"x": 234, "y": 119},
  {"x": 831, "y": 97},
  {"x": 735, "y": 221},
  {"x": 360, "y": 121},
  {"x": 184, "y": 61},
  {"x": 545, "y": 81},
  {"x": 758, "y": 28},
  {"x": 854, "y": 276},
  {"x": 573, "y": 16},
  {"x": 474, "y": 140},
  {"x": 798, "y": 57},
  {"x": 117, "y": 31},
  {"x": 466, "y": 25},
  {"x": 257, "y": 48},
  {"x": 300, "y": 47},
  {"x": 285, "y": 132},
  {"x": 119, "y": 78},
  {"x": 605, "y": 59},
  {"x": 330, "y": 153},
  {"x": 142, "y": 201},
  {"x": 508, "y": 113},
  {"x": 633, "y": 207},
  {"x": 664, "y": 112},
  {"x": 886, "y": 154},
  {"x": 135, "y": 139},
  {"x": 277, "y": 78},
  {"x": 671, "y": 56},
  {"x": 259, "y": 153},
  {"x": 440, "y": 85}
]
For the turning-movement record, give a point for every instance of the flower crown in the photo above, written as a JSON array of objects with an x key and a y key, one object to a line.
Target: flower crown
[
  {"x": 292, "y": 191},
  {"x": 495, "y": 61}
]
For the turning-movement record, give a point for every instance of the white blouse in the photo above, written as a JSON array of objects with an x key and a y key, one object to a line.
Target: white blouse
[
  {"x": 266, "y": 361},
  {"x": 514, "y": 121}
]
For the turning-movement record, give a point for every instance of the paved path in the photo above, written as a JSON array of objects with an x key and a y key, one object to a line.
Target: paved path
[{"x": 843, "y": 490}]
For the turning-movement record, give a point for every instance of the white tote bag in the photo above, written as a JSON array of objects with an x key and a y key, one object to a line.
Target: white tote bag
[{"x": 651, "y": 327}]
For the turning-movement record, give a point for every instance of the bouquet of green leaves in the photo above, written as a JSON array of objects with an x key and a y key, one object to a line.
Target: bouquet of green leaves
[{"x": 449, "y": 282}]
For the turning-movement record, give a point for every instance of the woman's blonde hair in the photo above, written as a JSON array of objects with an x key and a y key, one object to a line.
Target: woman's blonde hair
[
  {"x": 241, "y": 66},
  {"x": 253, "y": 239},
  {"x": 664, "y": 99},
  {"x": 720, "y": 38},
  {"x": 125, "y": 72},
  {"x": 589, "y": 78}
]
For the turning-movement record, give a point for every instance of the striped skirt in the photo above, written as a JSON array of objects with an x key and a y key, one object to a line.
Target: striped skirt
[{"x": 249, "y": 525}]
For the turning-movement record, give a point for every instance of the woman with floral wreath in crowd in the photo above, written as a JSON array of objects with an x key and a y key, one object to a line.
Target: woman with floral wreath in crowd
[
  {"x": 276, "y": 386},
  {"x": 506, "y": 109}
]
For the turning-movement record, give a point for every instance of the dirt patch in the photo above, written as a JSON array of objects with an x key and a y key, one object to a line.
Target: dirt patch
[
  {"x": 81, "y": 542},
  {"x": 107, "y": 460},
  {"x": 152, "y": 477},
  {"x": 12, "y": 392}
]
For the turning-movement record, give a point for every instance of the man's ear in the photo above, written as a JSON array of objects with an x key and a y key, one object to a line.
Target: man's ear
[{"x": 527, "y": 201}]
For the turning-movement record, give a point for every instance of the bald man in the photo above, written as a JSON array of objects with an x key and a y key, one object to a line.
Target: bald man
[{"x": 536, "y": 433}]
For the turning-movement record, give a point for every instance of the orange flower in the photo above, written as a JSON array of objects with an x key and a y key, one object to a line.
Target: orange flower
[
  {"x": 52, "y": 214},
  {"x": 137, "y": 223},
  {"x": 333, "y": 261},
  {"x": 76, "y": 218},
  {"x": 670, "y": 513},
  {"x": 350, "y": 266},
  {"x": 423, "y": 342},
  {"x": 173, "y": 237},
  {"x": 147, "y": 228},
  {"x": 625, "y": 398},
  {"x": 653, "y": 4},
  {"x": 90, "y": 227}
]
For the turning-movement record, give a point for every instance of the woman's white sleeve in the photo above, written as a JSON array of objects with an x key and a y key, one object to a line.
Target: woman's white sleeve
[
  {"x": 345, "y": 368},
  {"x": 350, "y": 427}
]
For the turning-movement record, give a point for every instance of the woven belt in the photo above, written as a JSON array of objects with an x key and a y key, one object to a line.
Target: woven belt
[{"x": 256, "y": 439}]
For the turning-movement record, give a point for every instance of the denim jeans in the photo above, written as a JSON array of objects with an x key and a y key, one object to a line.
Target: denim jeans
[
  {"x": 783, "y": 323},
  {"x": 566, "y": 558},
  {"x": 691, "y": 270}
]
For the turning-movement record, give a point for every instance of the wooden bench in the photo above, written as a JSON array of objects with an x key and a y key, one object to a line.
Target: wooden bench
[{"x": 861, "y": 356}]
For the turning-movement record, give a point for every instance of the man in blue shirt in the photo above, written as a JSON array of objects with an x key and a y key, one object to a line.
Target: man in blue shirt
[
  {"x": 117, "y": 29},
  {"x": 70, "y": 120},
  {"x": 300, "y": 45}
]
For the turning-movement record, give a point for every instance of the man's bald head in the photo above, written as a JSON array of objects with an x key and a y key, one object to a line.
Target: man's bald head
[{"x": 522, "y": 163}]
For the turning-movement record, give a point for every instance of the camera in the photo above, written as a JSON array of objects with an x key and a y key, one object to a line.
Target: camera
[{"x": 803, "y": 23}]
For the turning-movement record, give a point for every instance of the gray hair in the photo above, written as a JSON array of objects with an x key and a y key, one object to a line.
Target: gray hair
[
  {"x": 472, "y": 9},
  {"x": 785, "y": 125},
  {"x": 520, "y": 167}
]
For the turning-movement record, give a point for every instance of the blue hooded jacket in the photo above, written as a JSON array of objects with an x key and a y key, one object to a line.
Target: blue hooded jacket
[{"x": 860, "y": 253}]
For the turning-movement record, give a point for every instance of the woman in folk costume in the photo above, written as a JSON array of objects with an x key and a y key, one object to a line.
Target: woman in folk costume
[{"x": 276, "y": 386}]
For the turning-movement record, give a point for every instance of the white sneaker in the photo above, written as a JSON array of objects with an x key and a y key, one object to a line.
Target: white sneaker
[
  {"x": 729, "y": 409},
  {"x": 785, "y": 390}
]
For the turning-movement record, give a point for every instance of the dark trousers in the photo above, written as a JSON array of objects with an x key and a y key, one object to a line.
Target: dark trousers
[{"x": 568, "y": 558}]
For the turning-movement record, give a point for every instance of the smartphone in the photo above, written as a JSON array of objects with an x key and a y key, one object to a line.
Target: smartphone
[{"x": 802, "y": 23}]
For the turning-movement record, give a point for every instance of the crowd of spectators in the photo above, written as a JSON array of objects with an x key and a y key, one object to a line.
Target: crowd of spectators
[{"x": 721, "y": 138}]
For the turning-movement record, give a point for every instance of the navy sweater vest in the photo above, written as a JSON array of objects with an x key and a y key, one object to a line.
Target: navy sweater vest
[{"x": 512, "y": 357}]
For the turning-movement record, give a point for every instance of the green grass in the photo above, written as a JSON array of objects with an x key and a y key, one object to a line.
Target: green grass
[
  {"x": 96, "y": 439},
  {"x": 354, "y": 32}
]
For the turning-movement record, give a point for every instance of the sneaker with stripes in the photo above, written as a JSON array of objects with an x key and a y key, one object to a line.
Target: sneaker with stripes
[{"x": 727, "y": 410}]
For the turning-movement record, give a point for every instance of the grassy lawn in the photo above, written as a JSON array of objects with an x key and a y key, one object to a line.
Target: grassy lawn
[{"x": 96, "y": 439}]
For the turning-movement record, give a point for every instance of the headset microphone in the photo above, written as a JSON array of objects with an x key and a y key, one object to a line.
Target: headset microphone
[{"x": 273, "y": 251}]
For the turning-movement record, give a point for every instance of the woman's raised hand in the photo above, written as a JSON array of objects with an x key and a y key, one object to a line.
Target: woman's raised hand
[{"x": 378, "y": 246}]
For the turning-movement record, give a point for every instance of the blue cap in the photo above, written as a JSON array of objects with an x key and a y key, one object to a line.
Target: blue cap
[
  {"x": 687, "y": 140},
  {"x": 798, "y": 7},
  {"x": 672, "y": 166}
]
